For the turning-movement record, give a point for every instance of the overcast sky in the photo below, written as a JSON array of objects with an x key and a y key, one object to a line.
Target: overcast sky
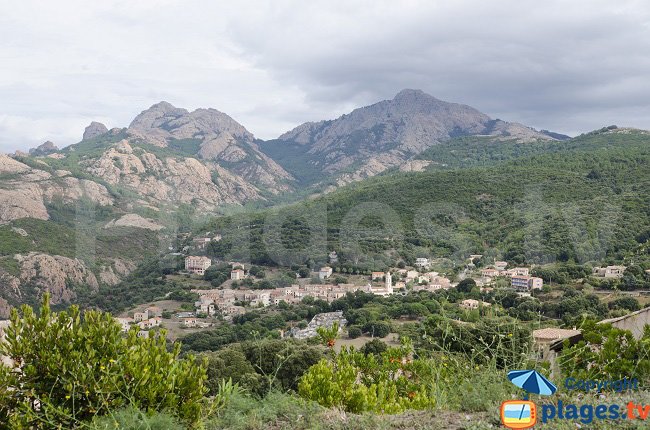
[{"x": 566, "y": 66}]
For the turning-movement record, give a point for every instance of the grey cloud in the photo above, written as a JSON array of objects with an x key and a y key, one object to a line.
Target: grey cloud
[{"x": 565, "y": 66}]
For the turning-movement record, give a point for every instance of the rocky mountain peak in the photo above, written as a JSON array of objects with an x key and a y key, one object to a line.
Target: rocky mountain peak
[
  {"x": 410, "y": 94},
  {"x": 94, "y": 129},
  {"x": 44, "y": 149},
  {"x": 374, "y": 138},
  {"x": 158, "y": 116}
]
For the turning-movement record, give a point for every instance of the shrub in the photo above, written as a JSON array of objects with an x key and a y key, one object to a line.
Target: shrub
[
  {"x": 74, "y": 367},
  {"x": 228, "y": 363},
  {"x": 354, "y": 332},
  {"x": 389, "y": 383},
  {"x": 629, "y": 303},
  {"x": 607, "y": 352},
  {"x": 375, "y": 346}
]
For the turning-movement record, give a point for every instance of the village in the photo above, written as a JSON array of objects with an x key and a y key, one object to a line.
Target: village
[{"x": 226, "y": 302}]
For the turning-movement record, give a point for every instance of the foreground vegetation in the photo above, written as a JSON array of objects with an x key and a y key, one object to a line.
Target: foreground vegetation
[{"x": 74, "y": 370}]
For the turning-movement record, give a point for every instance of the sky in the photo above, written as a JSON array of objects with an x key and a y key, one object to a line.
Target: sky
[{"x": 566, "y": 66}]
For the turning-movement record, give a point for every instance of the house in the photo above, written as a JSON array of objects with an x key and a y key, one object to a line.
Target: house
[
  {"x": 412, "y": 274},
  {"x": 634, "y": 322},
  {"x": 609, "y": 271},
  {"x": 140, "y": 316},
  {"x": 422, "y": 263},
  {"x": 201, "y": 242},
  {"x": 197, "y": 264},
  {"x": 153, "y": 312},
  {"x": 237, "y": 274},
  {"x": 377, "y": 276},
  {"x": 150, "y": 323},
  {"x": 549, "y": 342},
  {"x": 205, "y": 305},
  {"x": 232, "y": 310},
  {"x": 440, "y": 282},
  {"x": 189, "y": 322},
  {"x": 472, "y": 304},
  {"x": 324, "y": 273},
  {"x": 500, "y": 265},
  {"x": 517, "y": 271},
  {"x": 526, "y": 283},
  {"x": 125, "y": 323},
  {"x": 489, "y": 273},
  {"x": 261, "y": 299},
  {"x": 333, "y": 257},
  {"x": 547, "y": 336}
]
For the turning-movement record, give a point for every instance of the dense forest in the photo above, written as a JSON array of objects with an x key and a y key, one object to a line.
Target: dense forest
[{"x": 583, "y": 200}]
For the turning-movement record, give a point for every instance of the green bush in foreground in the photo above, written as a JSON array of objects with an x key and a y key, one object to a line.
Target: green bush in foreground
[
  {"x": 388, "y": 383},
  {"x": 70, "y": 368}
]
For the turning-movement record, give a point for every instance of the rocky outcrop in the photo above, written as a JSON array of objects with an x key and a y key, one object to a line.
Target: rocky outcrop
[
  {"x": 134, "y": 220},
  {"x": 171, "y": 180},
  {"x": 55, "y": 274},
  {"x": 94, "y": 129},
  {"x": 25, "y": 190},
  {"x": 375, "y": 138},
  {"x": 115, "y": 272},
  {"x": 43, "y": 149},
  {"x": 220, "y": 138},
  {"x": 9, "y": 166}
]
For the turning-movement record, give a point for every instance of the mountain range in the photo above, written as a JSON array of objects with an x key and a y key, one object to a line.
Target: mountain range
[{"x": 171, "y": 164}]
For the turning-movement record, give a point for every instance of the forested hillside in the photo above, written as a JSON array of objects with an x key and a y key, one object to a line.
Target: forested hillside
[{"x": 585, "y": 200}]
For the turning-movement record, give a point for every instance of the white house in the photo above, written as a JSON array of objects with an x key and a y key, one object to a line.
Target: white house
[
  {"x": 197, "y": 264},
  {"x": 325, "y": 272},
  {"x": 422, "y": 263},
  {"x": 237, "y": 274}
]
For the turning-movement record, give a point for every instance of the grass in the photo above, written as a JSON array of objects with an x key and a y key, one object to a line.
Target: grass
[
  {"x": 133, "y": 419},
  {"x": 285, "y": 411}
]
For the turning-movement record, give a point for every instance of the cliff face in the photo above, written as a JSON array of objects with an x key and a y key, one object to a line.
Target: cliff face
[
  {"x": 221, "y": 140},
  {"x": 25, "y": 190},
  {"x": 60, "y": 276},
  {"x": 170, "y": 180}
]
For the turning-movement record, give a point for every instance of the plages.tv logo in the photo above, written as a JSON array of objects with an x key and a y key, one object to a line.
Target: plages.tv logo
[{"x": 522, "y": 414}]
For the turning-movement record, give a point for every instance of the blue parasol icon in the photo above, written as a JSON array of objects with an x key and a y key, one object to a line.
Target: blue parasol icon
[{"x": 532, "y": 381}]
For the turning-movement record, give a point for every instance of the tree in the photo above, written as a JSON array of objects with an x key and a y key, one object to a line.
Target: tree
[
  {"x": 629, "y": 303},
  {"x": 228, "y": 363},
  {"x": 354, "y": 332},
  {"x": 466, "y": 286},
  {"x": 304, "y": 272},
  {"x": 75, "y": 367},
  {"x": 377, "y": 328},
  {"x": 374, "y": 346},
  {"x": 328, "y": 335},
  {"x": 257, "y": 271}
]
